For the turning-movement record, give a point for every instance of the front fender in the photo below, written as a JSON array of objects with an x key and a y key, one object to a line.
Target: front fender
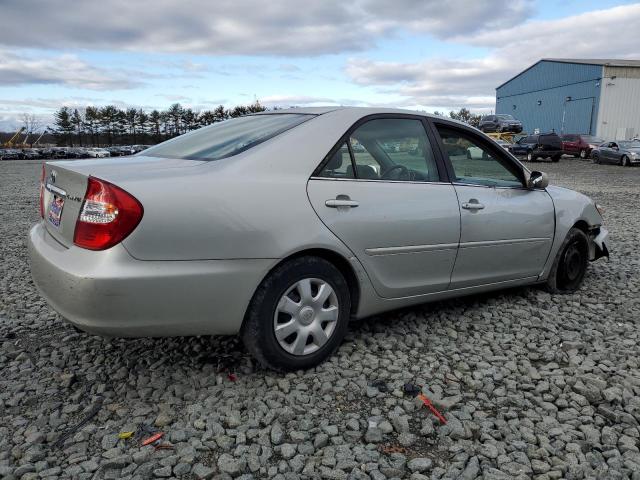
[{"x": 573, "y": 208}]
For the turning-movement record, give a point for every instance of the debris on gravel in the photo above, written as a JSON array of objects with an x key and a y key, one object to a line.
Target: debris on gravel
[{"x": 531, "y": 385}]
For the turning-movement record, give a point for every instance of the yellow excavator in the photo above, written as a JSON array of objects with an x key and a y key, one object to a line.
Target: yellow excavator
[
  {"x": 506, "y": 136},
  {"x": 12, "y": 141}
]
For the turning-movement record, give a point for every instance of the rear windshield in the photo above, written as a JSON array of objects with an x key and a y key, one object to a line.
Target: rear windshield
[{"x": 224, "y": 139}]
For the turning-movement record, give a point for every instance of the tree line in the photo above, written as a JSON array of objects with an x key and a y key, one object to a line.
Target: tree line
[{"x": 110, "y": 125}]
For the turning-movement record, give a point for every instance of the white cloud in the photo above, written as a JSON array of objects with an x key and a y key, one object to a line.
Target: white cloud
[
  {"x": 245, "y": 27},
  {"x": 451, "y": 83},
  {"x": 69, "y": 70}
]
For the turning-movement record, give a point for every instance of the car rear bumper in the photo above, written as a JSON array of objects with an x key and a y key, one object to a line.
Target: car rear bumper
[{"x": 111, "y": 293}]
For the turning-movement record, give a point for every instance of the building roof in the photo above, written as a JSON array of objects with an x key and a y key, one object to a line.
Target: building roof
[{"x": 609, "y": 62}]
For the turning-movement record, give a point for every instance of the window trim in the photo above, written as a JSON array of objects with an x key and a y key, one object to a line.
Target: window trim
[
  {"x": 498, "y": 152},
  {"x": 443, "y": 175}
]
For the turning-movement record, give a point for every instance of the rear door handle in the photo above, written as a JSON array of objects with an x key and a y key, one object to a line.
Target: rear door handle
[
  {"x": 341, "y": 202},
  {"x": 472, "y": 205}
]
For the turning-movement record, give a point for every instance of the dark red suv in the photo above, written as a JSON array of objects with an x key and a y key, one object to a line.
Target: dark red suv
[{"x": 579, "y": 145}]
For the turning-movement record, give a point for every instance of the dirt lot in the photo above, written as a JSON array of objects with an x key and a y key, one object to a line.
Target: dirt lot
[{"x": 531, "y": 385}]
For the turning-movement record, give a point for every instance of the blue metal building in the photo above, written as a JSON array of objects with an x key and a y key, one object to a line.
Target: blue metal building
[{"x": 567, "y": 95}]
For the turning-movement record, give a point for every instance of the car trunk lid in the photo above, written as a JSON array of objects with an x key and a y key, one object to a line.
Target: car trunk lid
[{"x": 65, "y": 185}]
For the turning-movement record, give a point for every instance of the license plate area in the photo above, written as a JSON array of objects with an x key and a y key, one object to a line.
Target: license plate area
[{"x": 54, "y": 213}]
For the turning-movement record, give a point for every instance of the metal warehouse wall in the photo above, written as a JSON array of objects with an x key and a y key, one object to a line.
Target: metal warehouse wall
[
  {"x": 537, "y": 97},
  {"x": 619, "y": 115}
]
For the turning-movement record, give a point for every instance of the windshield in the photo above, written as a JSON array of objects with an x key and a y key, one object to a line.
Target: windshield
[
  {"x": 506, "y": 117},
  {"x": 590, "y": 139},
  {"x": 632, "y": 144},
  {"x": 227, "y": 138}
]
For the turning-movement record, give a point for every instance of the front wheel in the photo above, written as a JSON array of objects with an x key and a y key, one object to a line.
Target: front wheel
[
  {"x": 624, "y": 161},
  {"x": 595, "y": 157},
  {"x": 298, "y": 316},
  {"x": 583, "y": 153},
  {"x": 556, "y": 158},
  {"x": 570, "y": 265},
  {"x": 531, "y": 157}
]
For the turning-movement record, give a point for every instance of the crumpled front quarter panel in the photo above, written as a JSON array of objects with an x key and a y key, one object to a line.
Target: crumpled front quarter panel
[{"x": 570, "y": 208}]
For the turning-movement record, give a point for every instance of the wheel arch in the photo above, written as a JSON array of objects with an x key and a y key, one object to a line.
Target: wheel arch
[{"x": 336, "y": 259}]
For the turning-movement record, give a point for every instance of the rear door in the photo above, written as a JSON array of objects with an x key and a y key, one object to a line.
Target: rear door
[
  {"x": 381, "y": 190},
  {"x": 506, "y": 229},
  {"x": 607, "y": 152}
]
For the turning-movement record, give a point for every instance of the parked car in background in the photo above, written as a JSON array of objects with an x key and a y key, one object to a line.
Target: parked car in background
[
  {"x": 504, "y": 144},
  {"x": 620, "y": 152},
  {"x": 77, "y": 152},
  {"x": 11, "y": 154},
  {"x": 543, "y": 145},
  {"x": 500, "y": 123},
  {"x": 113, "y": 151},
  {"x": 139, "y": 148},
  {"x": 31, "y": 154},
  {"x": 579, "y": 145},
  {"x": 127, "y": 150},
  {"x": 98, "y": 152},
  {"x": 297, "y": 244}
]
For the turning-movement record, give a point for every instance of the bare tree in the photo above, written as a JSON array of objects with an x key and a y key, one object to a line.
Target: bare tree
[{"x": 31, "y": 125}]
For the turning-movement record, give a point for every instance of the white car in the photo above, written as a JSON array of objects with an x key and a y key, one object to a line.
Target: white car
[{"x": 97, "y": 153}]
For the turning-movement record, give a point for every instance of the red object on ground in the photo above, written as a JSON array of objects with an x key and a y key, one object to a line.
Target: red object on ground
[
  {"x": 152, "y": 438},
  {"x": 433, "y": 409},
  {"x": 232, "y": 377}
]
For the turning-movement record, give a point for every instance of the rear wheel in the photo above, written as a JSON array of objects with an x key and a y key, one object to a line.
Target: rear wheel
[
  {"x": 298, "y": 315},
  {"x": 570, "y": 265},
  {"x": 531, "y": 157},
  {"x": 624, "y": 161}
]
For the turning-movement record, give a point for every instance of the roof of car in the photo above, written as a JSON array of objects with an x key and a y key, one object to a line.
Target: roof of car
[{"x": 362, "y": 110}]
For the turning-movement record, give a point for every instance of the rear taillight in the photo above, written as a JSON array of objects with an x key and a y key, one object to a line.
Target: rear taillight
[
  {"x": 107, "y": 216},
  {"x": 42, "y": 192}
]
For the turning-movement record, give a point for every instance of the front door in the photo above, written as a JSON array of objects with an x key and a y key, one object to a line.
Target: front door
[
  {"x": 506, "y": 229},
  {"x": 381, "y": 193}
]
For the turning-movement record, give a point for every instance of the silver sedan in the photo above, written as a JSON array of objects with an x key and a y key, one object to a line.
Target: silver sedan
[{"x": 283, "y": 226}]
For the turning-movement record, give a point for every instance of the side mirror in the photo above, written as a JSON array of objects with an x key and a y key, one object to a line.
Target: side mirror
[{"x": 538, "y": 180}]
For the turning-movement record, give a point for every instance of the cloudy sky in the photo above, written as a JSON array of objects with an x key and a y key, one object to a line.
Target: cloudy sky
[{"x": 419, "y": 54}]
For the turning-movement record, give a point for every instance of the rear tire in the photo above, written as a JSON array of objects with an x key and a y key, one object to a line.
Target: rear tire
[
  {"x": 316, "y": 325},
  {"x": 531, "y": 157},
  {"x": 624, "y": 161},
  {"x": 570, "y": 264}
]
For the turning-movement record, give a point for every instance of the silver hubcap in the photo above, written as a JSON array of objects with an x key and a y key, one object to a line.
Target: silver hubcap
[{"x": 306, "y": 316}]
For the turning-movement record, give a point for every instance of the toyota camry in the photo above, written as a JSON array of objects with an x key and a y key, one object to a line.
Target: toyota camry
[{"x": 284, "y": 225}]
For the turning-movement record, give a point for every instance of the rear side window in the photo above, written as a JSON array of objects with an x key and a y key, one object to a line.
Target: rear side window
[
  {"x": 550, "y": 140},
  {"x": 228, "y": 138}
]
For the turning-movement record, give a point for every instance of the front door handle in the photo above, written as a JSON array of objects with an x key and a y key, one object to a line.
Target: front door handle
[
  {"x": 341, "y": 201},
  {"x": 472, "y": 204}
]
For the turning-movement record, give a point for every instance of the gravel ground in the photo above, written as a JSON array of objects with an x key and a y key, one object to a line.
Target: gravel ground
[{"x": 531, "y": 385}]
